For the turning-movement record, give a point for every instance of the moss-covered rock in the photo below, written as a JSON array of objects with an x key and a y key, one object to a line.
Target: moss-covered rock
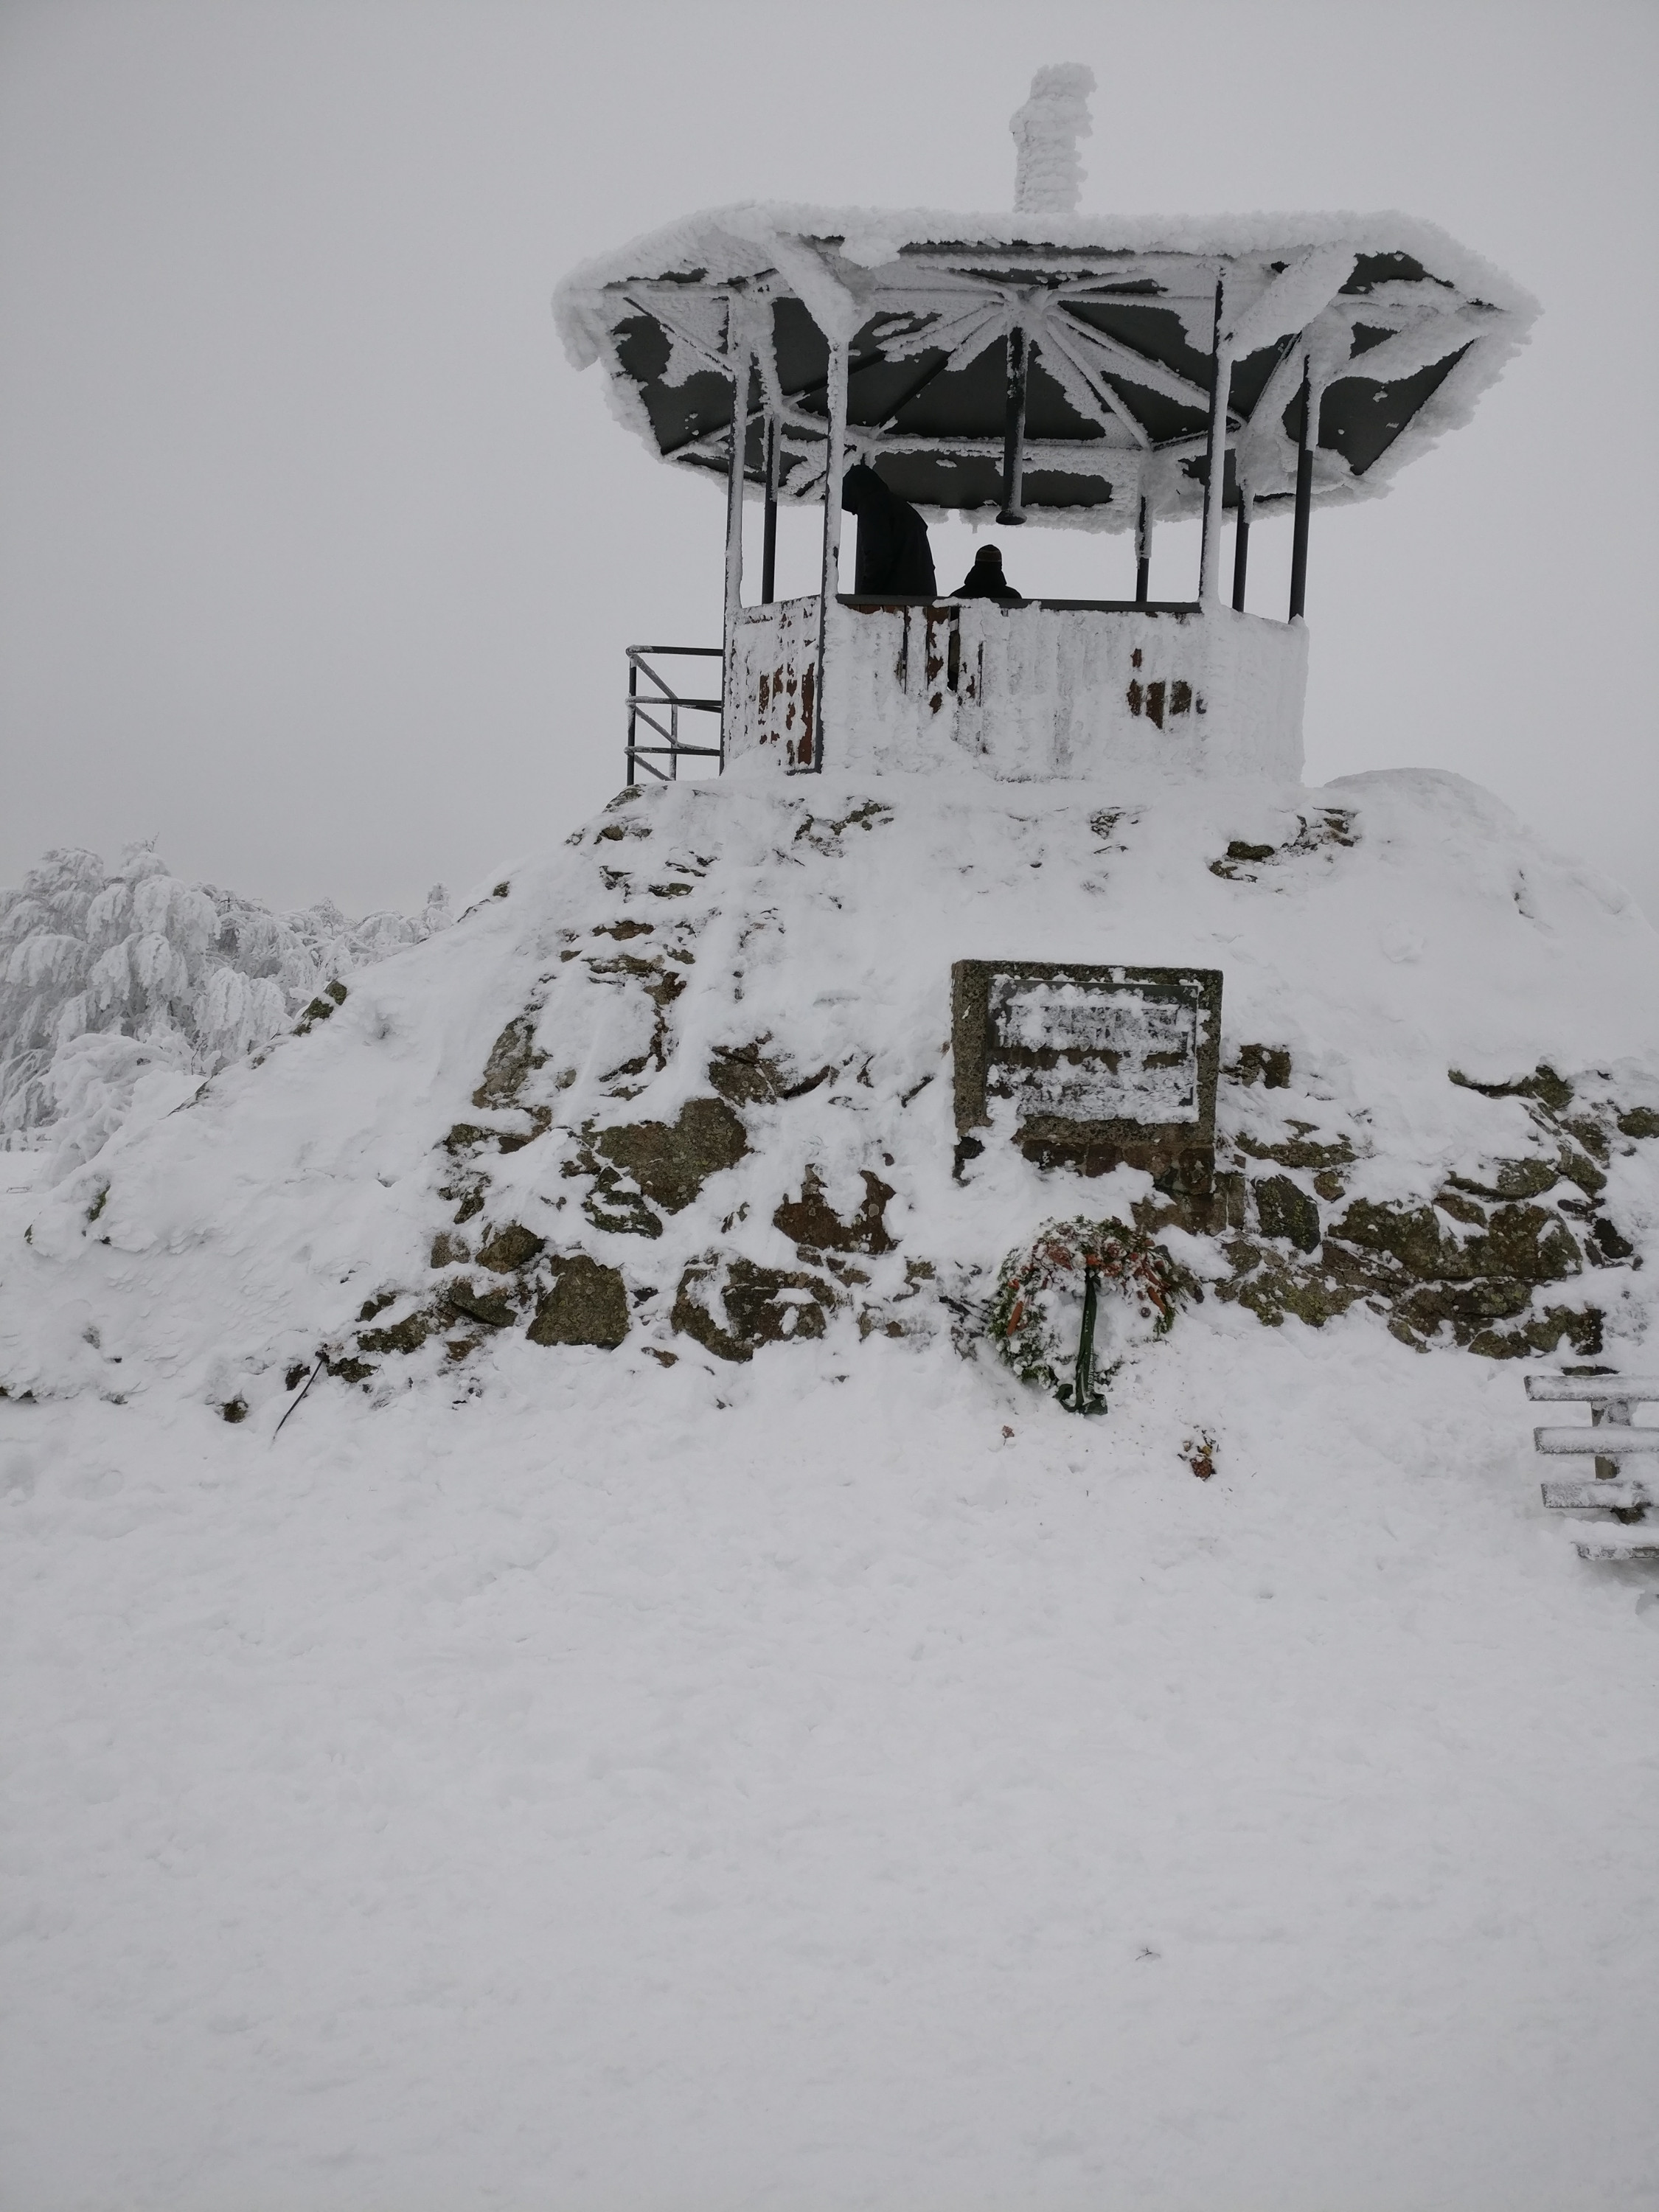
[
  {"x": 1283, "y": 1209},
  {"x": 1525, "y": 1243},
  {"x": 1303, "y": 1150},
  {"x": 1270, "y": 1286},
  {"x": 320, "y": 1010},
  {"x": 403, "y": 1336},
  {"x": 1542, "y": 1331},
  {"x": 1417, "y": 1237},
  {"x": 1528, "y": 1177},
  {"x": 1529, "y": 1243},
  {"x": 1552, "y": 1092}
]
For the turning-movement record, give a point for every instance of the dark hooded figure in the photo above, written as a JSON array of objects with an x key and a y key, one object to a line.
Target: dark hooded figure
[
  {"x": 894, "y": 558},
  {"x": 984, "y": 580}
]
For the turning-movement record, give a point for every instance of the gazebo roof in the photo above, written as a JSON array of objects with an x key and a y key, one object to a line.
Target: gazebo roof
[{"x": 1403, "y": 328}]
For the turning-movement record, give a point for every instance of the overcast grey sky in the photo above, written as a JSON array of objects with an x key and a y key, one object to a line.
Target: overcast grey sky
[{"x": 317, "y": 562}]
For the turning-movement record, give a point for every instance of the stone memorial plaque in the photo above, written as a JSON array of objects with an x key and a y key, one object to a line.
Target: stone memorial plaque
[{"x": 1105, "y": 1066}]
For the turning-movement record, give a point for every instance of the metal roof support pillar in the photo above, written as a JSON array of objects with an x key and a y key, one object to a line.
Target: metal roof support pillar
[
  {"x": 1143, "y": 552},
  {"x": 1240, "y": 550},
  {"x": 1215, "y": 469},
  {"x": 769, "y": 539},
  {"x": 1303, "y": 495},
  {"x": 1013, "y": 429},
  {"x": 740, "y": 371},
  {"x": 835, "y": 460}
]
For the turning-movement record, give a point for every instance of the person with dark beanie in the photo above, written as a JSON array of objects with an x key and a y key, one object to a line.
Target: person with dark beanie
[
  {"x": 894, "y": 558},
  {"x": 984, "y": 580}
]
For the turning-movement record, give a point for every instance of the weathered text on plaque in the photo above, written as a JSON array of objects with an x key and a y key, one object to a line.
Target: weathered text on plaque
[{"x": 1106, "y": 1066}]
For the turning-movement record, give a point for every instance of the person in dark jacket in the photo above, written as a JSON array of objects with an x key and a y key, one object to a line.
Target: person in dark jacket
[
  {"x": 984, "y": 580},
  {"x": 894, "y": 556}
]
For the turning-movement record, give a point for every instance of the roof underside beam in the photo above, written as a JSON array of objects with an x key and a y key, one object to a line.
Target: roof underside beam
[{"x": 947, "y": 310}]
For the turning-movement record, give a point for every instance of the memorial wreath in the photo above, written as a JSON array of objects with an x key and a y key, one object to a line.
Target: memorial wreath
[{"x": 1071, "y": 1306}]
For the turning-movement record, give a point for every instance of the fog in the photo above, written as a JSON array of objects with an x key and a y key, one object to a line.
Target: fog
[{"x": 317, "y": 561}]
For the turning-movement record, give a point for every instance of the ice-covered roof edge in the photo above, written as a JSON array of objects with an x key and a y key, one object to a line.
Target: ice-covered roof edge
[{"x": 745, "y": 239}]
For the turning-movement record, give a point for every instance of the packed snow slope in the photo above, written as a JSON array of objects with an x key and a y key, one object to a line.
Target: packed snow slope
[{"x": 670, "y": 1722}]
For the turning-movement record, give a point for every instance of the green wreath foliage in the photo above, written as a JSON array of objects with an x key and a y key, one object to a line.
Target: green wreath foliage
[{"x": 1050, "y": 1295}]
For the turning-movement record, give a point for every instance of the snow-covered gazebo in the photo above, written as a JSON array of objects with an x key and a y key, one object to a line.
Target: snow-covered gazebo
[{"x": 1078, "y": 370}]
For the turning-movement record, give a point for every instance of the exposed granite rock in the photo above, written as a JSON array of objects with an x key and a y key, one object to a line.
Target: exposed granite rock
[
  {"x": 1332, "y": 825},
  {"x": 492, "y": 1308},
  {"x": 671, "y": 1161},
  {"x": 1268, "y": 1065},
  {"x": 513, "y": 1058},
  {"x": 732, "y": 1307},
  {"x": 512, "y": 1247},
  {"x": 745, "y": 1075},
  {"x": 812, "y": 1225},
  {"x": 615, "y": 1203},
  {"x": 587, "y": 1304},
  {"x": 469, "y": 1137}
]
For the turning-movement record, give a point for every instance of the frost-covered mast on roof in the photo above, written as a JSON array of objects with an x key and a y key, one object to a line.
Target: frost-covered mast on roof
[
  {"x": 1048, "y": 173},
  {"x": 1046, "y": 365}
]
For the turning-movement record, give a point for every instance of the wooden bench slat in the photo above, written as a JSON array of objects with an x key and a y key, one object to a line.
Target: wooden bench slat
[
  {"x": 1626, "y": 1544},
  {"x": 1580, "y": 1497},
  {"x": 1608, "y": 1442},
  {"x": 1589, "y": 1390}
]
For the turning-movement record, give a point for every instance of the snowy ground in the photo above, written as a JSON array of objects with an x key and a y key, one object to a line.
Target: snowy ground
[
  {"x": 593, "y": 1799},
  {"x": 843, "y": 1779}
]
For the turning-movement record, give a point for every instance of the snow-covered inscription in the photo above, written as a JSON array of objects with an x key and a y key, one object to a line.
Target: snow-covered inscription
[
  {"x": 1129, "y": 1055},
  {"x": 1102, "y": 1065}
]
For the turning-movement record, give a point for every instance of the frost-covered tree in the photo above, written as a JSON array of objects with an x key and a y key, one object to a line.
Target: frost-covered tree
[{"x": 105, "y": 978}]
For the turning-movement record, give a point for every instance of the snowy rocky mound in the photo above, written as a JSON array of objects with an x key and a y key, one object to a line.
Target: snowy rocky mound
[{"x": 683, "y": 1091}]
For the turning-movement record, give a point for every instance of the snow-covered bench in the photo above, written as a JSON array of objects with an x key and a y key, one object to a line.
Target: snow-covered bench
[{"x": 1611, "y": 1440}]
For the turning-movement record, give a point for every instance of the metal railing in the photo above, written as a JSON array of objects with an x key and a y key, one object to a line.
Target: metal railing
[{"x": 661, "y": 710}]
